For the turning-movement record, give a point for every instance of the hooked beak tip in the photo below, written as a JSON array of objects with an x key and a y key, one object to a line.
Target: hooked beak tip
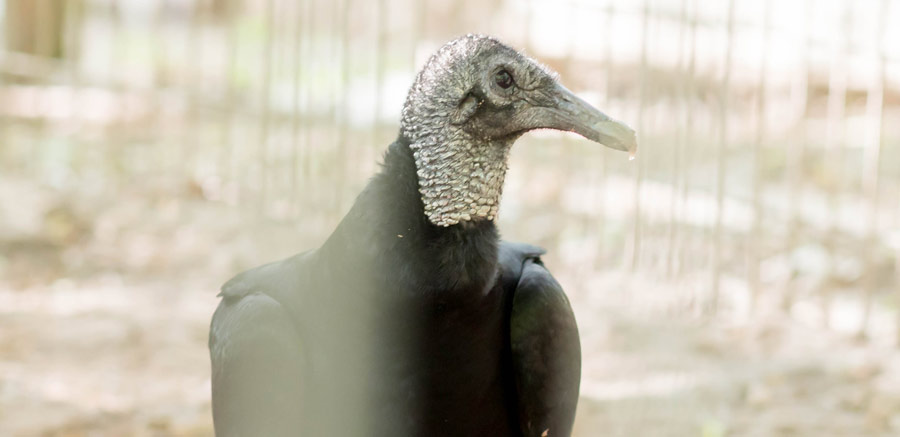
[{"x": 617, "y": 135}]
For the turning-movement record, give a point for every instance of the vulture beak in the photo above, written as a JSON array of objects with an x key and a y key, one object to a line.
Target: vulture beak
[{"x": 570, "y": 113}]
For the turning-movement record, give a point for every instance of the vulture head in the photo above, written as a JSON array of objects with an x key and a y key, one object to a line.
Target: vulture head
[{"x": 466, "y": 108}]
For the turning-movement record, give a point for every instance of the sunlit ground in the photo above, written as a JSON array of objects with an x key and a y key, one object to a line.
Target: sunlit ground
[{"x": 106, "y": 304}]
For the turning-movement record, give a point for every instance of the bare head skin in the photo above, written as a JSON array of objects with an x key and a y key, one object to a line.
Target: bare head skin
[{"x": 467, "y": 107}]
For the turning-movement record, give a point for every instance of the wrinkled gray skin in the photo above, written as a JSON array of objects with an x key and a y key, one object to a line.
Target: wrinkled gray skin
[{"x": 461, "y": 152}]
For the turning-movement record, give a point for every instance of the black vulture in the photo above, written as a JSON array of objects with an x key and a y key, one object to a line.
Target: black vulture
[{"x": 413, "y": 318}]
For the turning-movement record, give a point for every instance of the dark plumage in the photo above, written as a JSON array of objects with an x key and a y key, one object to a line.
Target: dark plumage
[{"x": 413, "y": 318}]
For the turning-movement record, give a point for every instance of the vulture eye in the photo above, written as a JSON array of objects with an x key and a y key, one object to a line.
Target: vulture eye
[{"x": 503, "y": 79}]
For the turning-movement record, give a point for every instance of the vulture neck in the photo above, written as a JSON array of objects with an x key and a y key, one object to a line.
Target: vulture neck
[
  {"x": 388, "y": 226},
  {"x": 460, "y": 177}
]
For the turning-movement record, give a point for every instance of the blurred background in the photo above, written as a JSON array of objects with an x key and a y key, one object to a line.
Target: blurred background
[{"x": 741, "y": 277}]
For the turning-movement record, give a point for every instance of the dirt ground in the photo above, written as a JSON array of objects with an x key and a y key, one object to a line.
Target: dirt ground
[{"x": 105, "y": 309}]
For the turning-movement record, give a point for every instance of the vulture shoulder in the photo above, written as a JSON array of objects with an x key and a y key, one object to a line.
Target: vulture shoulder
[
  {"x": 546, "y": 352},
  {"x": 255, "y": 349}
]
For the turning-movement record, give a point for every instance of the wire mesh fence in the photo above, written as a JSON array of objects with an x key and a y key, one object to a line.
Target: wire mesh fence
[
  {"x": 766, "y": 128},
  {"x": 767, "y": 180}
]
